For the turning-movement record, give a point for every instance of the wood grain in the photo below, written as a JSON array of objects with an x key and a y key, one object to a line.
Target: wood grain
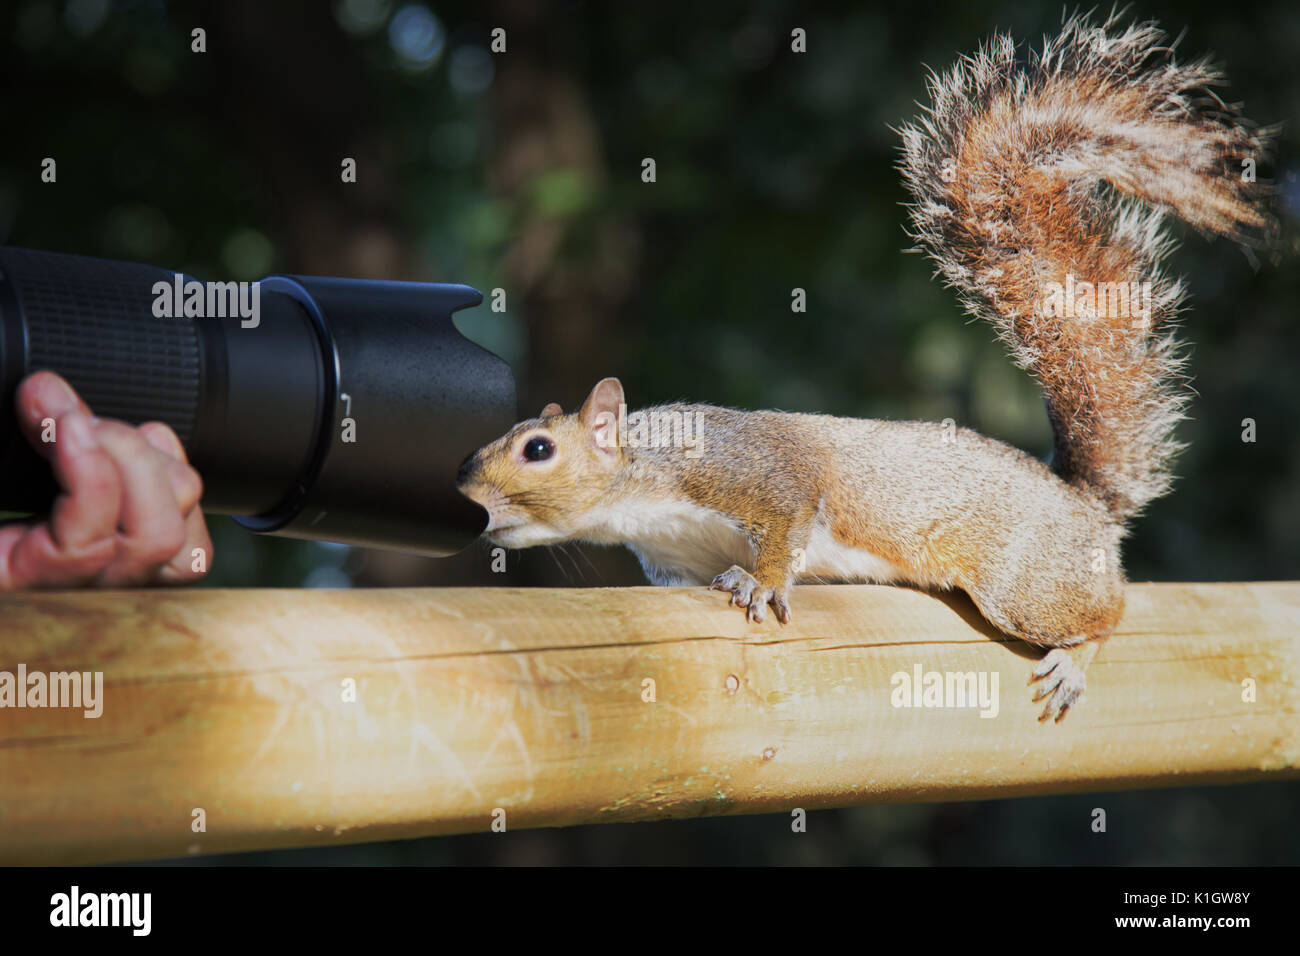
[{"x": 531, "y": 701}]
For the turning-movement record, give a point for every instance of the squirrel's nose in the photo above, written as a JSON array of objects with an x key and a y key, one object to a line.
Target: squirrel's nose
[{"x": 466, "y": 469}]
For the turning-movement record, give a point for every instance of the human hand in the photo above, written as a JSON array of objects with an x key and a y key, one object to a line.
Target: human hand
[{"x": 129, "y": 509}]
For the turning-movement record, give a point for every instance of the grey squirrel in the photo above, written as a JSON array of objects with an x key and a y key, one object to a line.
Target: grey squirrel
[{"x": 1039, "y": 192}]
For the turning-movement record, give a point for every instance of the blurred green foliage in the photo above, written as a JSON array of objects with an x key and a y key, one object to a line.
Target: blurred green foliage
[{"x": 522, "y": 171}]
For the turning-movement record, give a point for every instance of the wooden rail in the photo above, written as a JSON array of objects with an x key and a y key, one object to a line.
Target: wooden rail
[{"x": 535, "y": 703}]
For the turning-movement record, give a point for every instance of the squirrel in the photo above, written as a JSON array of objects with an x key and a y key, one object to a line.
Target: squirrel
[{"x": 1040, "y": 193}]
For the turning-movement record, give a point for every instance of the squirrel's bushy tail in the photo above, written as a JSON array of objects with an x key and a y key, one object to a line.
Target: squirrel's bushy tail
[{"x": 1040, "y": 191}]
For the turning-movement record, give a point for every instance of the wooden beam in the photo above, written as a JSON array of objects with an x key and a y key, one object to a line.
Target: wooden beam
[{"x": 531, "y": 701}]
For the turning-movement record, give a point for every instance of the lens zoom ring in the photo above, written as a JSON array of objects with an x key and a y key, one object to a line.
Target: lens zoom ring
[{"x": 94, "y": 324}]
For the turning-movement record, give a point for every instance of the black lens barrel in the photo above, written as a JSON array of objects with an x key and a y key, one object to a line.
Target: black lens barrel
[{"x": 341, "y": 413}]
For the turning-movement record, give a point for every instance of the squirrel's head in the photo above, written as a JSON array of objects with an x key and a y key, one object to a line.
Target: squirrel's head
[{"x": 538, "y": 480}]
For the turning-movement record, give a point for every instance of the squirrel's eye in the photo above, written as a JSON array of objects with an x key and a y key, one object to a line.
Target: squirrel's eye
[{"x": 539, "y": 449}]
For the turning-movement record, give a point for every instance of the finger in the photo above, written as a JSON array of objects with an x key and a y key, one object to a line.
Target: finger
[
  {"x": 86, "y": 515},
  {"x": 88, "y": 511},
  {"x": 30, "y": 558},
  {"x": 11, "y": 574},
  {"x": 161, "y": 436},
  {"x": 186, "y": 484},
  {"x": 10, "y": 535},
  {"x": 150, "y": 523},
  {"x": 192, "y": 561},
  {"x": 43, "y": 396},
  {"x": 78, "y": 541}
]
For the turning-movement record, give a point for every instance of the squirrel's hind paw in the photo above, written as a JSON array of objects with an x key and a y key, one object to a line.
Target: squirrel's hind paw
[
  {"x": 748, "y": 592},
  {"x": 1064, "y": 681}
]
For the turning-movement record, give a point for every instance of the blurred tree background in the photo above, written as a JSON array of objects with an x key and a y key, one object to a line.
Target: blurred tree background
[{"x": 521, "y": 171}]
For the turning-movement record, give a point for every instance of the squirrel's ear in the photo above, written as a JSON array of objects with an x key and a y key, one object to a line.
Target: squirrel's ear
[
  {"x": 600, "y": 413},
  {"x": 552, "y": 408}
]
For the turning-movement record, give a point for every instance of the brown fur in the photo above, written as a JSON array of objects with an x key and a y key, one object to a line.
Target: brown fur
[
  {"x": 1036, "y": 548},
  {"x": 1007, "y": 167}
]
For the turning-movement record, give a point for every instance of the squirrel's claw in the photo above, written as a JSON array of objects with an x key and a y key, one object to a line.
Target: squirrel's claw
[
  {"x": 744, "y": 588},
  {"x": 739, "y": 582},
  {"x": 1063, "y": 680},
  {"x": 781, "y": 607},
  {"x": 747, "y": 592}
]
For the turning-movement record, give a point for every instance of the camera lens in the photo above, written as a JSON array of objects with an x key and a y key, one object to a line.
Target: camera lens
[{"x": 340, "y": 412}]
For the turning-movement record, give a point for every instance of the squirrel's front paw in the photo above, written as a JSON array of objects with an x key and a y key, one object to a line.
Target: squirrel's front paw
[
  {"x": 748, "y": 592},
  {"x": 1063, "y": 680}
]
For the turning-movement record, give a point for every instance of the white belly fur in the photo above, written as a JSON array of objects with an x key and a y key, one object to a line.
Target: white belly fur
[
  {"x": 829, "y": 560},
  {"x": 677, "y": 542},
  {"x": 684, "y": 543}
]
